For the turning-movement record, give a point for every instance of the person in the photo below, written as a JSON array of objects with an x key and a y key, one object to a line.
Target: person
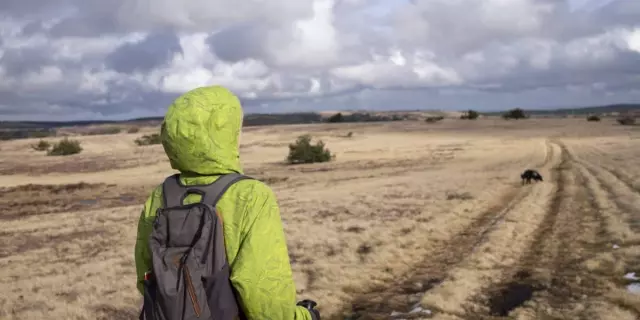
[{"x": 200, "y": 135}]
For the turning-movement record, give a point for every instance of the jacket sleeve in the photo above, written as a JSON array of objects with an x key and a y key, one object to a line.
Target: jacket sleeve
[
  {"x": 145, "y": 225},
  {"x": 261, "y": 271}
]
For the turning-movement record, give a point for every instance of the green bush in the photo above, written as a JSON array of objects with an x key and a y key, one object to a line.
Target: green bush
[
  {"x": 470, "y": 115},
  {"x": 516, "y": 113},
  {"x": 593, "y": 118},
  {"x": 336, "y": 118},
  {"x": 42, "y": 145},
  {"x": 302, "y": 151},
  {"x": 147, "y": 140},
  {"x": 65, "y": 147}
]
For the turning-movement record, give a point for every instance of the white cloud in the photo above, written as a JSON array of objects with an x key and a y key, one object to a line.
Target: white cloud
[
  {"x": 633, "y": 40},
  {"x": 310, "y": 42},
  {"x": 93, "y": 57}
]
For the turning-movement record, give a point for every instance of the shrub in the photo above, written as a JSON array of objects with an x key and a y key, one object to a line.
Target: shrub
[
  {"x": 336, "y": 118},
  {"x": 470, "y": 115},
  {"x": 350, "y": 134},
  {"x": 42, "y": 145},
  {"x": 302, "y": 151},
  {"x": 65, "y": 147},
  {"x": 433, "y": 119},
  {"x": 147, "y": 140},
  {"x": 593, "y": 118},
  {"x": 626, "y": 120},
  {"x": 133, "y": 130},
  {"x": 516, "y": 113}
]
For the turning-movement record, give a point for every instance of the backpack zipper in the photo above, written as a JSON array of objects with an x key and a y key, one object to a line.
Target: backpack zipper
[{"x": 191, "y": 290}]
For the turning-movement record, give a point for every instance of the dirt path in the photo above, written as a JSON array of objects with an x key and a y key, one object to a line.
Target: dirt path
[
  {"x": 544, "y": 251},
  {"x": 564, "y": 273},
  {"x": 405, "y": 294},
  {"x": 550, "y": 273},
  {"x": 502, "y": 253}
]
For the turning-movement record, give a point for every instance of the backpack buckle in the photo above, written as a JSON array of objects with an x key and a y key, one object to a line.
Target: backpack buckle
[{"x": 147, "y": 275}]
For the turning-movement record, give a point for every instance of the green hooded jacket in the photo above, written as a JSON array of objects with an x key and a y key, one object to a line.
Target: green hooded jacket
[{"x": 200, "y": 135}]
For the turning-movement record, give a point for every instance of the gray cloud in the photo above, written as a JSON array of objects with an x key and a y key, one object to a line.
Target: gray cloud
[
  {"x": 238, "y": 42},
  {"x": 155, "y": 50},
  {"x": 121, "y": 58}
]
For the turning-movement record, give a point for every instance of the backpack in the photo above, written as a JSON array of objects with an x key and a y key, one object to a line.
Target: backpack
[{"x": 190, "y": 273}]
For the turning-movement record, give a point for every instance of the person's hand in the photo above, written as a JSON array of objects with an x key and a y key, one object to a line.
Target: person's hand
[{"x": 310, "y": 305}]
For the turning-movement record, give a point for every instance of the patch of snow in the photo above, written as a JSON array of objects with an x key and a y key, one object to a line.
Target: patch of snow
[
  {"x": 634, "y": 288},
  {"x": 416, "y": 309},
  {"x": 421, "y": 310},
  {"x": 615, "y": 246},
  {"x": 631, "y": 276}
]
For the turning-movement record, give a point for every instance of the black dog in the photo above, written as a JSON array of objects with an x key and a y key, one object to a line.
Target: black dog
[{"x": 529, "y": 175}]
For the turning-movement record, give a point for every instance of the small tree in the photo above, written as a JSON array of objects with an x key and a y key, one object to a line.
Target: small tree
[
  {"x": 65, "y": 147},
  {"x": 147, "y": 140},
  {"x": 42, "y": 145},
  {"x": 336, "y": 118},
  {"x": 516, "y": 113},
  {"x": 302, "y": 151},
  {"x": 470, "y": 115},
  {"x": 593, "y": 118}
]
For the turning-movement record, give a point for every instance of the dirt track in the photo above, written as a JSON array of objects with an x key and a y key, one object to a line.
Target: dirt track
[{"x": 552, "y": 272}]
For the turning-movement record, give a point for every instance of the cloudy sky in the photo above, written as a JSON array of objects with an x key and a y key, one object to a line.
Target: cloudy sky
[{"x": 117, "y": 59}]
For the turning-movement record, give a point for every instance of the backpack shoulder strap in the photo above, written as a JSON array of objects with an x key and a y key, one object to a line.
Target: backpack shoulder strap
[
  {"x": 214, "y": 191},
  {"x": 173, "y": 191}
]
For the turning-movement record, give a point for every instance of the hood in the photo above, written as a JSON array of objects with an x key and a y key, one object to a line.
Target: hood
[{"x": 201, "y": 130}]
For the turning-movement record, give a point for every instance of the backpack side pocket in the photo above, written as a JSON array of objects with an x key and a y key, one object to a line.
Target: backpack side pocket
[{"x": 149, "y": 304}]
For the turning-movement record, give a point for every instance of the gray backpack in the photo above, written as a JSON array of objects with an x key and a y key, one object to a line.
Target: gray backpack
[{"x": 190, "y": 273}]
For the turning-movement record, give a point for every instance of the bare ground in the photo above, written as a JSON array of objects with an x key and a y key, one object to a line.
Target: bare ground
[{"x": 409, "y": 217}]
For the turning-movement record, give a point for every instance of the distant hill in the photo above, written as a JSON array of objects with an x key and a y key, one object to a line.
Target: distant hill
[
  {"x": 48, "y": 124},
  {"x": 607, "y": 109},
  {"x": 313, "y": 117},
  {"x": 249, "y": 120}
]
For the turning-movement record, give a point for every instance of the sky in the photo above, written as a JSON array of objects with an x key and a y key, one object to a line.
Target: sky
[{"x": 121, "y": 59}]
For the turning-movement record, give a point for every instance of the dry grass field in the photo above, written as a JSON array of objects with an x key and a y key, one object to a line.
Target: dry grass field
[{"x": 411, "y": 220}]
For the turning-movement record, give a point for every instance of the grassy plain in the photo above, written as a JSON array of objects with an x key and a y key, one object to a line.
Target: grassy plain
[{"x": 429, "y": 217}]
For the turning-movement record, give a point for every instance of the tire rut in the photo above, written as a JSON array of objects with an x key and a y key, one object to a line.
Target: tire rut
[
  {"x": 581, "y": 235},
  {"x": 625, "y": 209},
  {"x": 379, "y": 302},
  {"x": 614, "y": 231},
  {"x": 622, "y": 177}
]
